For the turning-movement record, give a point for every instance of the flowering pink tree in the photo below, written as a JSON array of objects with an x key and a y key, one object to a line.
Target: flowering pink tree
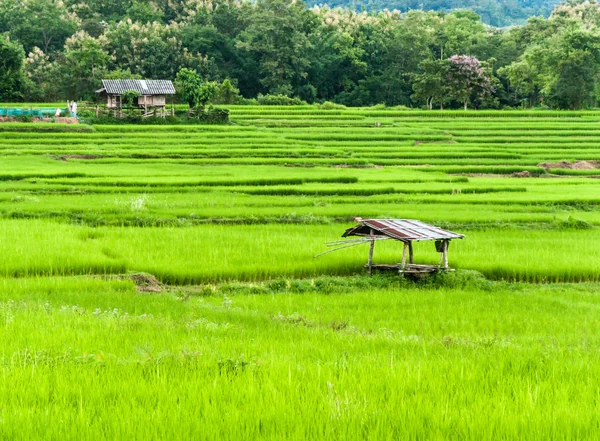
[{"x": 467, "y": 79}]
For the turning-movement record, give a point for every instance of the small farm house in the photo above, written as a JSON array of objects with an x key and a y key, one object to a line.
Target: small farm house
[
  {"x": 153, "y": 93},
  {"x": 405, "y": 231}
]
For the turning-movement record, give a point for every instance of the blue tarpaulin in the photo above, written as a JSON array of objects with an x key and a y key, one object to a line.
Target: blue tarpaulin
[{"x": 38, "y": 112}]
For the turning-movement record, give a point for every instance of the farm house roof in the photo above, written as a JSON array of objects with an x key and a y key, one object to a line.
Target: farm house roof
[
  {"x": 144, "y": 87},
  {"x": 400, "y": 229}
]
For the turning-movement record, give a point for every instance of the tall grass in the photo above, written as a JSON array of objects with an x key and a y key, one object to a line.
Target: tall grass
[
  {"x": 213, "y": 253},
  {"x": 254, "y": 338},
  {"x": 92, "y": 360}
]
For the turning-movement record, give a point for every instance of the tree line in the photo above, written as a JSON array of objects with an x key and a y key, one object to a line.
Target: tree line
[
  {"x": 282, "y": 51},
  {"x": 492, "y": 12}
]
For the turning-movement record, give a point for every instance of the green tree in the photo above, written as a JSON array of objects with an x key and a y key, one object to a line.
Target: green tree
[
  {"x": 457, "y": 33},
  {"x": 432, "y": 85},
  {"x": 153, "y": 50},
  {"x": 523, "y": 80},
  {"x": 227, "y": 93},
  {"x": 276, "y": 39},
  {"x": 121, "y": 74},
  {"x": 42, "y": 23},
  {"x": 562, "y": 67},
  {"x": 12, "y": 78},
  {"x": 339, "y": 60},
  {"x": 129, "y": 99},
  {"x": 145, "y": 12},
  {"x": 193, "y": 90},
  {"x": 41, "y": 77},
  {"x": 83, "y": 65},
  {"x": 110, "y": 10},
  {"x": 571, "y": 82}
]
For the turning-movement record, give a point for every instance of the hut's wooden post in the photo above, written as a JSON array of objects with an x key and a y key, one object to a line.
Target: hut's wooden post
[
  {"x": 445, "y": 254},
  {"x": 371, "y": 249},
  {"x": 403, "y": 265},
  {"x": 97, "y": 111},
  {"x": 411, "y": 257}
]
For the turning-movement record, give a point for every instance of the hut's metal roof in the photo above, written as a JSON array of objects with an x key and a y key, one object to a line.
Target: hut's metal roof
[
  {"x": 401, "y": 229},
  {"x": 144, "y": 87}
]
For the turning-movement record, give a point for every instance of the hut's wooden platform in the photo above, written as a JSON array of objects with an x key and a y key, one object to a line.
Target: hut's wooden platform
[{"x": 410, "y": 268}]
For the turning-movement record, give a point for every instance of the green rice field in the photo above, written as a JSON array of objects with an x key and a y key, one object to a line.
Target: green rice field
[{"x": 159, "y": 282}]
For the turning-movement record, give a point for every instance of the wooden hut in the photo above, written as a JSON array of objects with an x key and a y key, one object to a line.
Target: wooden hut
[
  {"x": 153, "y": 93},
  {"x": 406, "y": 231}
]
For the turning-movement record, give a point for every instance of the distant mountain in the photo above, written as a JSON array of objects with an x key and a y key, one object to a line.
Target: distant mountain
[{"x": 497, "y": 13}]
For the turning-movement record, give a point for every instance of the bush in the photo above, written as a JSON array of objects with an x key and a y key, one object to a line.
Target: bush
[
  {"x": 307, "y": 93},
  {"x": 574, "y": 224},
  {"x": 227, "y": 94},
  {"x": 279, "y": 100},
  {"x": 208, "y": 116},
  {"x": 86, "y": 114},
  {"x": 328, "y": 105},
  {"x": 23, "y": 118}
]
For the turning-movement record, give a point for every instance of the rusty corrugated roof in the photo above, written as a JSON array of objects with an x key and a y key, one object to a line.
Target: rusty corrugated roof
[{"x": 401, "y": 229}]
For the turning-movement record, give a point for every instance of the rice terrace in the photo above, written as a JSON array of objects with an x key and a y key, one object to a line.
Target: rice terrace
[{"x": 159, "y": 281}]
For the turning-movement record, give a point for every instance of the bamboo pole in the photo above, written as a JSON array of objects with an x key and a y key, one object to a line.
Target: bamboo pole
[
  {"x": 360, "y": 239},
  {"x": 340, "y": 248}
]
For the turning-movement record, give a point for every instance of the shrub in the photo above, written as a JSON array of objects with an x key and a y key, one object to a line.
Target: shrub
[
  {"x": 328, "y": 105},
  {"x": 227, "y": 94},
  {"x": 23, "y": 118},
  {"x": 209, "y": 116},
  {"x": 574, "y": 224},
  {"x": 279, "y": 100}
]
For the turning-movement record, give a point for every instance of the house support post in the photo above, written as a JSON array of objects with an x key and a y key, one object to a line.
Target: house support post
[
  {"x": 411, "y": 257},
  {"x": 403, "y": 264},
  {"x": 371, "y": 249},
  {"x": 445, "y": 254}
]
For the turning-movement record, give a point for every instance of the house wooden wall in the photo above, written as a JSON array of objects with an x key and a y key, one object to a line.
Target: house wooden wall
[
  {"x": 114, "y": 101},
  {"x": 152, "y": 100}
]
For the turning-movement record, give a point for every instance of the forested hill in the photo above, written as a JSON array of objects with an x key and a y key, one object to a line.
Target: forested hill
[
  {"x": 52, "y": 50},
  {"x": 497, "y": 13}
]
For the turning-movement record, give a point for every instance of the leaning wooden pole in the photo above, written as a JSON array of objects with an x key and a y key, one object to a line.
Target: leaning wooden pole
[{"x": 371, "y": 249}]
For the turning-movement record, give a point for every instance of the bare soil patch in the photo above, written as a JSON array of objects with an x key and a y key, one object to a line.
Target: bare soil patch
[
  {"x": 523, "y": 174},
  {"x": 145, "y": 282},
  {"x": 578, "y": 165},
  {"x": 67, "y": 157}
]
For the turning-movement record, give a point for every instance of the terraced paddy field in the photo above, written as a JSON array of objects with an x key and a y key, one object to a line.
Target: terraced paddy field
[{"x": 158, "y": 282}]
